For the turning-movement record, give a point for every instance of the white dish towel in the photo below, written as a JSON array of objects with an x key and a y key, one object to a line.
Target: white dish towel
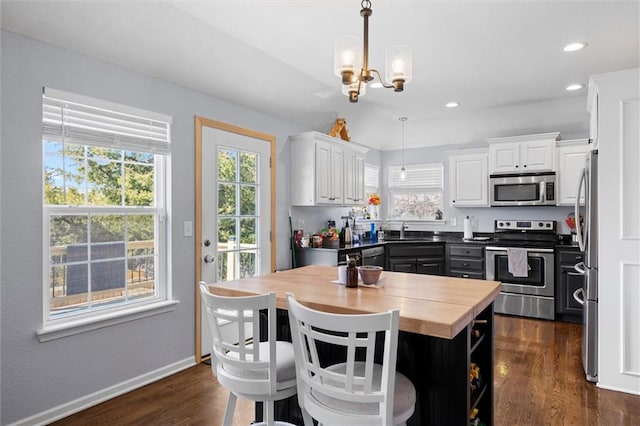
[{"x": 518, "y": 265}]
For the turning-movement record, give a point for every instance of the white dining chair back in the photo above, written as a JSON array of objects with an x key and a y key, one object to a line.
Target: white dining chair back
[
  {"x": 247, "y": 367},
  {"x": 357, "y": 391}
]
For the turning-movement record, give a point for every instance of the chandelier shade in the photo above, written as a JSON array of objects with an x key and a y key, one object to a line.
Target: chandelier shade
[
  {"x": 399, "y": 66},
  {"x": 353, "y": 89},
  {"x": 347, "y": 58},
  {"x": 351, "y": 62}
]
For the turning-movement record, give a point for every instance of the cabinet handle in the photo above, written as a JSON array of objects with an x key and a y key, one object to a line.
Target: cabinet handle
[
  {"x": 524, "y": 165},
  {"x": 466, "y": 251},
  {"x": 516, "y": 166},
  {"x": 465, "y": 264},
  {"x": 465, "y": 275},
  {"x": 453, "y": 201},
  {"x": 578, "y": 257}
]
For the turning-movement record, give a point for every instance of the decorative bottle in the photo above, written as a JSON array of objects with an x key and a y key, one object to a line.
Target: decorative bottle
[{"x": 352, "y": 274}]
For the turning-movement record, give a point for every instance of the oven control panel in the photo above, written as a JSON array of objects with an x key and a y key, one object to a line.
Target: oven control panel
[{"x": 526, "y": 225}]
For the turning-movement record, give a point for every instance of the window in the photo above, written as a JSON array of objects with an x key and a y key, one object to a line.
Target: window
[
  {"x": 104, "y": 207},
  {"x": 419, "y": 195},
  {"x": 371, "y": 179}
]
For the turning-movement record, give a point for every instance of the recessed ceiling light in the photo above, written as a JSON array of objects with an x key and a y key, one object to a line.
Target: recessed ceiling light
[
  {"x": 572, "y": 47},
  {"x": 573, "y": 87},
  {"x": 376, "y": 85},
  {"x": 452, "y": 104}
]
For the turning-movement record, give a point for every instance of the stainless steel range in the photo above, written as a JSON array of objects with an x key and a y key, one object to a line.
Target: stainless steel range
[{"x": 522, "y": 258}]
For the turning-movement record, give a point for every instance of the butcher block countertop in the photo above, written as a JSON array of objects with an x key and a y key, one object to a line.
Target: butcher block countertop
[{"x": 429, "y": 305}]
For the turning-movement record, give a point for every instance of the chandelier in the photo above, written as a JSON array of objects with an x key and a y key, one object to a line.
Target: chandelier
[{"x": 351, "y": 62}]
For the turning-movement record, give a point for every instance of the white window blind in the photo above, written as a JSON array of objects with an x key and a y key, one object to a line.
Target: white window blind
[
  {"x": 87, "y": 121},
  {"x": 371, "y": 176},
  {"x": 417, "y": 176}
]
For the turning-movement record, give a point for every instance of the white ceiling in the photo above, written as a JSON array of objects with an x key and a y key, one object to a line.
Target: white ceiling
[{"x": 276, "y": 56}]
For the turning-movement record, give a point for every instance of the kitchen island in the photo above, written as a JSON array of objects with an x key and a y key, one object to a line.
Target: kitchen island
[{"x": 446, "y": 324}]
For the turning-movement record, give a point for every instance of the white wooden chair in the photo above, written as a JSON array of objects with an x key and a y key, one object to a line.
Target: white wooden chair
[
  {"x": 358, "y": 391},
  {"x": 248, "y": 368}
]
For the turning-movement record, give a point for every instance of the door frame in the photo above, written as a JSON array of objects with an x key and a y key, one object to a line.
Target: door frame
[{"x": 201, "y": 122}]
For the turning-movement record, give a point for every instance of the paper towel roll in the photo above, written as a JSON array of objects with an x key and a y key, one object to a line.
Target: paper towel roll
[{"x": 468, "y": 233}]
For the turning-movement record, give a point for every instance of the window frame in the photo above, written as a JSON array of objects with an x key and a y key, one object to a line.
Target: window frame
[
  {"x": 54, "y": 327},
  {"x": 396, "y": 186}
]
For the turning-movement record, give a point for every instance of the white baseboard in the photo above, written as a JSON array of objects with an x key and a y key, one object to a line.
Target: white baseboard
[
  {"x": 618, "y": 389},
  {"x": 71, "y": 407}
]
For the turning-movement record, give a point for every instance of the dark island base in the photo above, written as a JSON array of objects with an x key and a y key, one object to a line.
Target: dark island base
[{"x": 439, "y": 369}]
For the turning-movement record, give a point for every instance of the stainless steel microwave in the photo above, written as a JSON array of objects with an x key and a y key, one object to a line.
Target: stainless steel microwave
[{"x": 523, "y": 189}]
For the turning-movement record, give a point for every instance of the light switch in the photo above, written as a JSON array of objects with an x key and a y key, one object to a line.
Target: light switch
[{"x": 188, "y": 228}]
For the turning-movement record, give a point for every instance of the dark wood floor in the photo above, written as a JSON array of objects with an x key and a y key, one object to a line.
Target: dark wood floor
[{"x": 538, "y": 381}]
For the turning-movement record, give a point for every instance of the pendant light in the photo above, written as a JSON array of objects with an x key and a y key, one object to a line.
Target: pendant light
[{"x": 403, "y": 171}]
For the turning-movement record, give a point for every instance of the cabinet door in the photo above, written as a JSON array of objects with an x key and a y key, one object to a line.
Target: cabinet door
[
  {"x": 337, "y": 175},
  {"x": 350, "y": 196},
  {"x": 593, "y": 118},
  {"x": 403, "y": 265},
  {"x": 359, "y": 178},
  {"x": 504, "y": 157},
  {"x": 468, "y": 177},
  {"x": 431, "y": 266},
  {"x": 323, "y": 173},
  {"x": 537, "y": 156},
  {"x": 571, "y": 281},
  {"x": 353, "y": 177},
  {"x": 571, "y": 160}
]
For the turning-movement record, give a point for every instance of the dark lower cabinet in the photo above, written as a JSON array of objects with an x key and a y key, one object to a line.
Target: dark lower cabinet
[
  {"x": 465, "y": 261},
  {"x": 568, "y": 281},
  {"x": 417, "y": 258}
]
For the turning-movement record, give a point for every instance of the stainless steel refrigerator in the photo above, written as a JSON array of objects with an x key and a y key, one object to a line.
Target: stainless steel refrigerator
[{"x": 587, "y": 296}]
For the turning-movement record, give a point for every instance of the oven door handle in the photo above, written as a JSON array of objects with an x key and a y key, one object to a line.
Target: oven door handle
[{"x": 536, "y": 250}]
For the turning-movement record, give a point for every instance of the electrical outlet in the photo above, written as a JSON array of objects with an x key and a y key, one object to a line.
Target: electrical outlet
[{"x": 452, "y": 221}]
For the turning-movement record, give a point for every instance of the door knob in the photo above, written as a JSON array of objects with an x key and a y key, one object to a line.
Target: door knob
[{"x": 209, "y": 259}]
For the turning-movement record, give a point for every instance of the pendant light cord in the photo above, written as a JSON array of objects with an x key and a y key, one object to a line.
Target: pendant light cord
[{"x": 403, "y": 119}]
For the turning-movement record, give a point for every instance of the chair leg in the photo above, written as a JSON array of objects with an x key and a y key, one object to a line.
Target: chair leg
[
  {"x": 306, "y": 418},
  {"x": 267, "y": 412},
  {"x": 231, "y": 408}
]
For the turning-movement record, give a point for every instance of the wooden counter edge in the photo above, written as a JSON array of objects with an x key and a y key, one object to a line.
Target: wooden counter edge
[{"x": 441, "y": 330}]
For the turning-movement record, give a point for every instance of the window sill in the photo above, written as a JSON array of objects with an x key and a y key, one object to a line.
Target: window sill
[{"x": 70, "y": 328}]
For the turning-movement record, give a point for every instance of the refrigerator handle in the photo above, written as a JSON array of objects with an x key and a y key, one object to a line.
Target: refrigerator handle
[
  {"x": 578, "y": 295},
  {"x": 579, "y": 233}
]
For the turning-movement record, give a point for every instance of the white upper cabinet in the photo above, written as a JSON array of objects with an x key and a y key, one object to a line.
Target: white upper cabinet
[
  {"x": 325, "y": 170},
  {"x": 571, "y": 155},
  {"x": 592, "y": 109},
  {"x": 469, "y": 178},
  {"x": 522, "y": 154}
]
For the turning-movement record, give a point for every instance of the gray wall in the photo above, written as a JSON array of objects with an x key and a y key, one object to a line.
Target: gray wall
[{"x": 38, "y": 376}]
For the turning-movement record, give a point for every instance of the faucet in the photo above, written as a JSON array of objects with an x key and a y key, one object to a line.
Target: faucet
[{"x": 403, "y": 226}]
